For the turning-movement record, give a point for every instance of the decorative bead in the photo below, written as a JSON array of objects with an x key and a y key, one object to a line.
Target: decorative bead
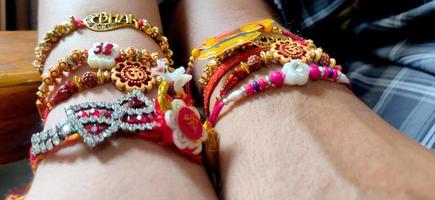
[
  {"x": 262, "y": 83},
  {"x": 328, "y": 73},
  {"x": 314, "y": 72},
  {"x": 240, "y": 73},
  {"x": 64, "y": 92},
  {"x": 47, "y": 79},
  {"x": 234, "y": 96},
  {"x": 250, "y": 90},
  {"x": 256, "y": 86},
  {"x": 55, "y": 72},
  {"x": 267, "y": 27},
  {"x": 277, "y": 78},
  {"x": 195, "y": 53},
  {"x": 324, "y": 59},
  {"x": 296, "y": 73},
  {"x": 79, "y": 23},
  {"x": 332, "y": 62},
  {"x": 63, "y": 65},
  {"x": 254, "y": 63},
  {"x": 89, "y": 79}
]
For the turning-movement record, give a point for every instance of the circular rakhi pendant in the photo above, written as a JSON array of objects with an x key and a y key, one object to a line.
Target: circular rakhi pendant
[
  {"x": 130, "y": 75},
  {"x": 286, "y": 50}
]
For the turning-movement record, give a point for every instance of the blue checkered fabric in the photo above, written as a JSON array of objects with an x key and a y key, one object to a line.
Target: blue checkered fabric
[{"x": 388, "y": 50}]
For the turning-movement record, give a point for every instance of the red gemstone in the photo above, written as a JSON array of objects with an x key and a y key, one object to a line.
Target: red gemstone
[
  {"x": 82, "y": 114},
  {"x": 131, "y": 120},
  {"x": 136, "y": 103},
  {"x": 141, "y": 22},
  {"x": 95, "y": 129},
  {"x": 107, "y": 114},
  {"x": 189, "y": 124},
  {"x": 79, "y": 23},
  {"x": 94, "y": 112}
]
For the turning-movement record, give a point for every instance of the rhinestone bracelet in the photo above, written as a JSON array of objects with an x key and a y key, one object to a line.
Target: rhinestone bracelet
[{"x": 132, "y": 114}]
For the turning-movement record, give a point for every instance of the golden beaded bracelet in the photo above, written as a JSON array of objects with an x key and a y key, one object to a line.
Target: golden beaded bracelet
[
  {"x": 102, "y": 21},
  {"x": 127, "y": 68}
]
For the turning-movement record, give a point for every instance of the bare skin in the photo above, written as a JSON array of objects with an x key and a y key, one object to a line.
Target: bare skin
[
  {"x": 312, "y": 142},
  {"x": 125, "y": 168}
]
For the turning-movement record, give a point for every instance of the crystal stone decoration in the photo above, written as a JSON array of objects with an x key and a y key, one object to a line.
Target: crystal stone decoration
[
  {"x": 93, "y": 126},
  {"x": 96, "y": 121}
]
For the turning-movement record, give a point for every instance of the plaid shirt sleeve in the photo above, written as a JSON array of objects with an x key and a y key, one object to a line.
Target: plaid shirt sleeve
[{"x": 391, "y": 62}]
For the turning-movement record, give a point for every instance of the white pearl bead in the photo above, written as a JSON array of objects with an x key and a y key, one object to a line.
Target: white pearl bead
[
  {"x": 235, "y": 96},
  {"x": 296, "y": 73}
]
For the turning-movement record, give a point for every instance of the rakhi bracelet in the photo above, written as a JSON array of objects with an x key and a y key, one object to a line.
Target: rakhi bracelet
[
  {"x": 102, "y": 21},
  {"x": 219, "y": 48},
  {"x": 224, "y": 68},
  {"x": 169, "y": 119},
  {"x": 281, "y": 52},
  {"x": 87, "y": 80},
  {"x": 132, "y": 114},
  {"x": 295, "y": 72},
  {"x": 103, "y": 56},
  {"x": 67, "y": 64},
  {"x": 129, "y": 69}
]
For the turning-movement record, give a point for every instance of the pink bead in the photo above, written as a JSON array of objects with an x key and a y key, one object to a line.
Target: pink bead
[
  {"x": 250, "y": 89},
  {"x": 334, "y": 75},
  {"x": 141, "y": 22},
  {"x": 314, "y": 72},
  {"x": 79, "y": 23},
  {"x": 262, "y": 83},
  {"x": 277, "y": 78},
  {"x": 326, "y": 74}
]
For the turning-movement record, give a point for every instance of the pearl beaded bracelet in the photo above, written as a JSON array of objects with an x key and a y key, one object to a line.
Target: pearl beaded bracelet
[{"x": 293, "y": 73}]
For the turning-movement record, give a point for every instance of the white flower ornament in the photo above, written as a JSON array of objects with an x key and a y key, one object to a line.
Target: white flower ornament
[
  {"x": 296, "y": 73},
  {"x": 185, "y": 122},
  {"x": 103, "y": 55},
  {"x": 178, "y": 76}
]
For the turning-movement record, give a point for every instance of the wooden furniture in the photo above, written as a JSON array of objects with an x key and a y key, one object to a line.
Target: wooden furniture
[{"x": 18, "y": 84}]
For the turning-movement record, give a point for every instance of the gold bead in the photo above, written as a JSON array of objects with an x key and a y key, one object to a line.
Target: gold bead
[
  {"x": 332, "y": 62},
  {"x": 267, "y": 27},
  {"x": 244, "y": 66},
  {"x": 195, "y": 52},
  {"x": 78, "y": 82},
  {"x": 43, "y": 88},
  {"x": 55, "y": 72}
]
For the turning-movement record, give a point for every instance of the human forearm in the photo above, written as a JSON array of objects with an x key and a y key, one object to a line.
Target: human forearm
[
  {"x": 125, "y": 168},
  {"x": 314, "y": 142}
]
